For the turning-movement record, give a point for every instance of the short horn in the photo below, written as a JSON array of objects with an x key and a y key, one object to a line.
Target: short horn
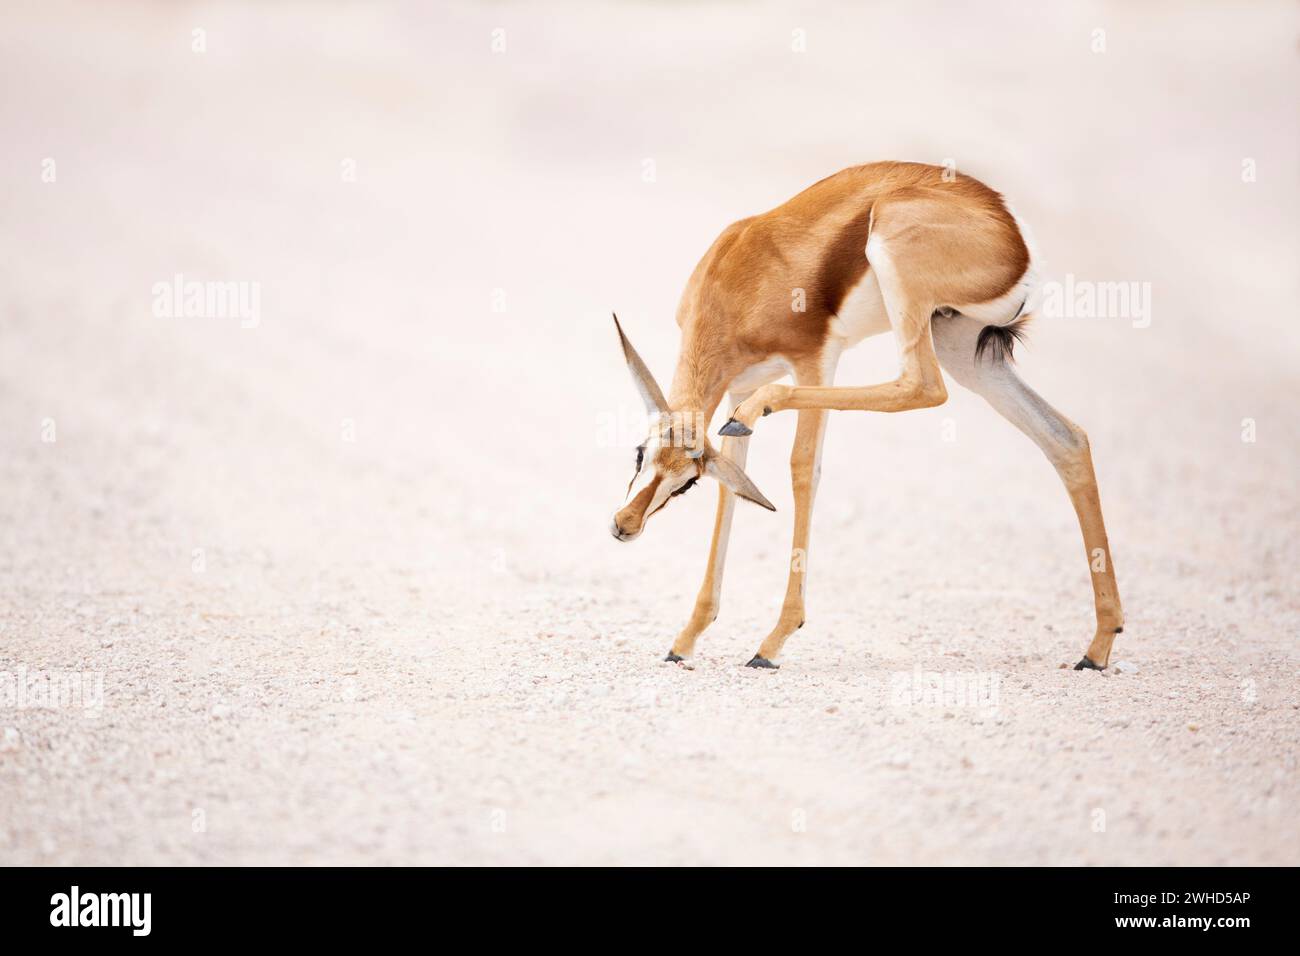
[{"x": 645, "y": 383}]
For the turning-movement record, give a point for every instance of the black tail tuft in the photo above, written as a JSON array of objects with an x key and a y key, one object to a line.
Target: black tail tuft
[{"x": 1000, "y": 340}]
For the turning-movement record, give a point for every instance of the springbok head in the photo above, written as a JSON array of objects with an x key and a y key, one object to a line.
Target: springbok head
[{"x": 673, "y": 456}]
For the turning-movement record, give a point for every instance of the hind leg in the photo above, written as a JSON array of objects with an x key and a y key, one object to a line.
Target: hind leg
[{"x": 1065, "y": 445}]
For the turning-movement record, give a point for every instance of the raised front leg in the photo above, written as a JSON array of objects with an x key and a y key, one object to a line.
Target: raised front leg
[
  {"x": 919, "y": 383},
  {"x": 805, "y": 470},
  {"x": 709, "y": 598},
  {"x": 908, "y": 392}
]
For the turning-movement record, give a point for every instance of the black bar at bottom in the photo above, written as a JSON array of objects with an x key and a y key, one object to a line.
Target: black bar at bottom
[{"x": 341, "y": 906}]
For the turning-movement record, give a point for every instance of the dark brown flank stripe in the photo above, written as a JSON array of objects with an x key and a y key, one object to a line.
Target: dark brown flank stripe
[{"x": 844, "y": 264}]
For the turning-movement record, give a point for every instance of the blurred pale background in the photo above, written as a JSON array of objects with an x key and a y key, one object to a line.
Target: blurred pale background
[{"x": 395, "y": 637}]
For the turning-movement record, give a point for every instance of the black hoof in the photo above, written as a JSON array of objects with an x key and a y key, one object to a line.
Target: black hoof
[
  {"x": 673, "y": 658},
  {"x": 1087, "y": 665},
  {"x": 735, "y": 429},
  {"x": 757, "y": 661}
]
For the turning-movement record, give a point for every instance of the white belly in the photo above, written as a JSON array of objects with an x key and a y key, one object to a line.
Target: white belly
[
  {"x": 862, "y": 313},
  {"x": 759, "y": 375}
]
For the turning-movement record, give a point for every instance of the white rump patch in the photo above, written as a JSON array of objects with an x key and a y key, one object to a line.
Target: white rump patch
[{"x": 1025, "y": 296}]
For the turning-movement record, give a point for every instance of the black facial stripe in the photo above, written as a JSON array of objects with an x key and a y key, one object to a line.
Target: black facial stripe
[
  {"x": 640, "y": 458},
  {"x": 684, "y": 488}
]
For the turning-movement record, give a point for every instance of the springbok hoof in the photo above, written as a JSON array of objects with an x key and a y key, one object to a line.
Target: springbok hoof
[
  {"x": 1087, "y": 665},
  {"x": 673, "y": 658},
  {"x": 735, "y": 429},
  {"x": 757, "y": 661}
]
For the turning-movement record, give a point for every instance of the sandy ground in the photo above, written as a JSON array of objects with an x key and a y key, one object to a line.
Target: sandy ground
[{"x": 345, "y": 576}]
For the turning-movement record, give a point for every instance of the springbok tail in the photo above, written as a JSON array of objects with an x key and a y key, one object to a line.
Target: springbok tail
[{"x": 1000, "y": 340}]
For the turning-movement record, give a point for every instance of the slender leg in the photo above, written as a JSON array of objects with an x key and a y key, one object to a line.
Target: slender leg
[
  {"x": 919, "y": 386},
  {"x": 1066, "y": 446},
  {"x": 709, "y": 598},
  {"x": 805, "y": 473},
  {"x": 805, "y": 470}
]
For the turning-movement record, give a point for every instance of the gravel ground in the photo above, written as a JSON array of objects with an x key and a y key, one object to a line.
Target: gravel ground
[{"x": 339, "y": 587}]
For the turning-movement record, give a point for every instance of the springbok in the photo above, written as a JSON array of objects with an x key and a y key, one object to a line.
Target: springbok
[{"x": 934, "y": 256}]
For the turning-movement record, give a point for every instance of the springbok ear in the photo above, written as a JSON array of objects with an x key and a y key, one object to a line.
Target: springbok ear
[
  {"x": 645, "y": 383},
  {"x": 732, "y": 477}
]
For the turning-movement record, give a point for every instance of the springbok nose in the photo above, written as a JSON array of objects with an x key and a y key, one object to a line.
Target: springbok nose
[{"x": 615, "y": 530}]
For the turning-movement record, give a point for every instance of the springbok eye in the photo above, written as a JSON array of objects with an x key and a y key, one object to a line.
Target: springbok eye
[
  {"x": 640, "y": 456},
  {"x": 684, "y": 488}
]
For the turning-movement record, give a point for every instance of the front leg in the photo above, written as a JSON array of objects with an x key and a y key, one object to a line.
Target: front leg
[
  {"x": 919, "y": 384},
  {"x": 764, "y": 401},
  {"x": 709, "y": 598},
  {"x": 907, "y": 392},
  {"x": 805, "y": 470}
]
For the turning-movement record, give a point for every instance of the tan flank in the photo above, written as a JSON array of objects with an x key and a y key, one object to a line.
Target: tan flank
[{"x": 933, "y": 256}]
